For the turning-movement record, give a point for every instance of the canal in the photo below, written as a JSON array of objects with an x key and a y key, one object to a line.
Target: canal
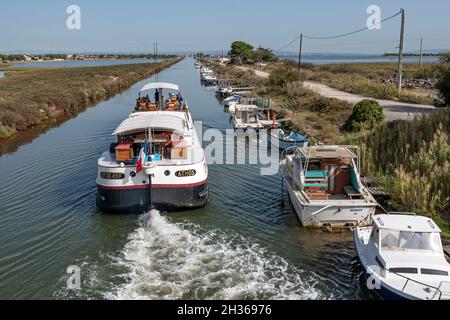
[{"x": 246, "y": 244}]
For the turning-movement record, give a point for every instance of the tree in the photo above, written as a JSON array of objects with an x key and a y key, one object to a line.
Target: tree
[
  {"x": 241, "y": 51},
  {"x": 266, "y": 55},
  {"x": 366, "y": 114}
]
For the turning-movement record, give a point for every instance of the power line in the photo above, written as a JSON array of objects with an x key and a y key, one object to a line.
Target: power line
[
  {"x": 284, "y": 47},
  {"x": 337, "y": 36},
  {"x": 352, "y": 32}
]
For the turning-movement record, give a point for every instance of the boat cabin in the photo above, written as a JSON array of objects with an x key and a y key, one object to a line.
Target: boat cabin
[
  {"x": 157, "y": 99},
  {"x": 162, "y": 135},
  {"x": 330, "y": 172}
]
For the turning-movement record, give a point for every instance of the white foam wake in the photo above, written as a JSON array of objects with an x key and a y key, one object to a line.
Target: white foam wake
[{"x": 165, "y": 260}]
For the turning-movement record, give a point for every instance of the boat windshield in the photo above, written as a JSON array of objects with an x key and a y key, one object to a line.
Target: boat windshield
[{"x": 396, "y": 240}]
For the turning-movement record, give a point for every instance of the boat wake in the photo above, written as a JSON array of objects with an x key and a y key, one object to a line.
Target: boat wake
[{"x": 168, "y": 260}]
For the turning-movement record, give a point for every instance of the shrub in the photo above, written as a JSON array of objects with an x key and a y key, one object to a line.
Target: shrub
[
  {"x": 283, "y": 75},
  {"x": 366, "y": 114},
  {"x": 443, "y": 84}
]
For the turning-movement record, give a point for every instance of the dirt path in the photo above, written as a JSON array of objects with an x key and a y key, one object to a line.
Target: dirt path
[{"x": 393, "y": 110}]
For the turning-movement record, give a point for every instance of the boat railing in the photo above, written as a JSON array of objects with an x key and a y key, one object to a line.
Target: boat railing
[
  {"x": 409, "y": 280},
  {"x": 287, "y": 150}
]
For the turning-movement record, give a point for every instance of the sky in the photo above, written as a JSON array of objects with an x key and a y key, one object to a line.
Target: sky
[{"x": 211, "y": 25}]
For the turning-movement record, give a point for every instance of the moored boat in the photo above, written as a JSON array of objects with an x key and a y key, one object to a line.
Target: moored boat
[
  {"x": 157, "y": 160},
  {"x": 245, "y": 117},
  {"x": 234, "y": 99},
  {"x": 325, "y": 187},
  {"x": 288, "y": 140},
  {"x": 403, "y": 258}
]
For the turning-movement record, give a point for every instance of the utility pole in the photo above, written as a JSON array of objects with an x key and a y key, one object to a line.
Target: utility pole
[
  {"x": 300, "y": 52},
  {"x": 400, "y": 52},
  {"x": 421, "y": 52}
]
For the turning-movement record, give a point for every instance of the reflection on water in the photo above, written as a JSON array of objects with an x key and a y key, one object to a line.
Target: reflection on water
[{"x": 246, "y": 243}]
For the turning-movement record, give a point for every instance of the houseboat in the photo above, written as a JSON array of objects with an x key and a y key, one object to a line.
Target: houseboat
[
  {"x": 245, "y": 117},
  {"x": 325, "y": 187},
  {"x": 403, "y": 258},
  {"x": 157, "y": 160}
]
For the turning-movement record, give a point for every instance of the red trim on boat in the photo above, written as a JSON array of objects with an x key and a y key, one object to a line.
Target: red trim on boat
[{"x": 154, "y": 186}]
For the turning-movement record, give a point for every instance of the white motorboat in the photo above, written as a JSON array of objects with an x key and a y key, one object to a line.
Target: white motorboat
[
  {"x": 157, "y": 160},
  {"x": 234, "y": 99},
  {"x": 325, "y": 187},
  {"x": 224, "y": 92},
  {"x": 403, "y": 258},
  {"x": 245, "y": 117}
]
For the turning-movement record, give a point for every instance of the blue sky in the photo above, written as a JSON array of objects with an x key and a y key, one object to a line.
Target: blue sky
[{"x": 189, "y": 25}]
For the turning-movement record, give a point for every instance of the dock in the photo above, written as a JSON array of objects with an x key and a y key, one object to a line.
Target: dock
[{"x": 373, "y": 187}]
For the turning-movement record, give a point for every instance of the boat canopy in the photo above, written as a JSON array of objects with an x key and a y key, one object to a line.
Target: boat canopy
[
  {"x": 328, "y": 152},
  {"x": 152, "y": 120},
  {"x": 402, "y": 222},
  {"x": 160, "y": 85}
]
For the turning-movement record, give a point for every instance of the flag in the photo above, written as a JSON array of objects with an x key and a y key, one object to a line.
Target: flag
[{"x": 142, "y": 157}]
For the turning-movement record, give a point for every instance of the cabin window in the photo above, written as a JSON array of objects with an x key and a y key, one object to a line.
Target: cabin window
[
  {"x": 395, "y": 240},
  {"x": 433, "y": 272},
  {"x": 375, "y": 236},
  {"x": 404, "y": 270}
]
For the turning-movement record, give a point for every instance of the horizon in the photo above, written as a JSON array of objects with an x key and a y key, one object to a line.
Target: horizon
[{"x": 41, "y": 27}]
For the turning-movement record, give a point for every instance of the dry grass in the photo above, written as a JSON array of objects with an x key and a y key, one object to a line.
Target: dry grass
[{"x": 31, "y": 97}]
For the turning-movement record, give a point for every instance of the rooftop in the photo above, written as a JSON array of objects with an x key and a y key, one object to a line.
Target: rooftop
[
  {"x": 155, "y": 120},
  {"x": 160, "y": 85}
]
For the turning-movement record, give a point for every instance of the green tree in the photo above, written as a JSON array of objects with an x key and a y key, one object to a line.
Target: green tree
[
  {"x": 366, "y": 114},
  {"x": 241, "y": 51},
  {"x": 263, "y": 54}
]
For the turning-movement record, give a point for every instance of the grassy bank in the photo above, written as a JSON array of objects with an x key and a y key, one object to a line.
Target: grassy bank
[
  {"x": 374, "y": 80},
  {"x": 33, "y": 96}
]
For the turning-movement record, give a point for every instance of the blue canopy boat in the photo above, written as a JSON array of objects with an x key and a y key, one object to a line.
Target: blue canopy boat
[{"x": 288, "y": 139}]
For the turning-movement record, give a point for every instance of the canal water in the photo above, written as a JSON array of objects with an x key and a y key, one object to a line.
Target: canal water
[
  {"x": 246, "y": 244},
  {"x": 79, "y": 63}
]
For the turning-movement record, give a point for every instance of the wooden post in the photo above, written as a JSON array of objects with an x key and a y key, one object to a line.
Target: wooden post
[
  {"x": 421, "y": 52},
  {"x": 300, "y": 52},
  {"x": 400, "y": 52}
]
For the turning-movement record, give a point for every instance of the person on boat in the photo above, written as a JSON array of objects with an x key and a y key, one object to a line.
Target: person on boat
[
  {"x": 180, "y": 99},
  {"x": 157, "y": 97}
]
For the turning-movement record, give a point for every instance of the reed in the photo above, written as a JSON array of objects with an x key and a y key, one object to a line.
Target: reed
[{"x": 412, "y": 160}]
